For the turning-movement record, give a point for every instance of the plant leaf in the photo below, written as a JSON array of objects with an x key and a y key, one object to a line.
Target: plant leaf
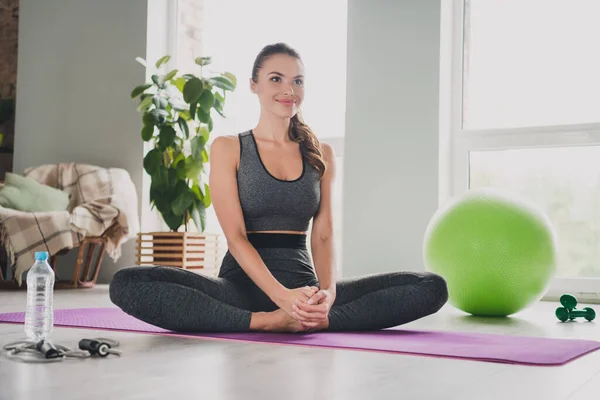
[
  {"x": 157, "y": 112},
  {"x": 160, "y": 102},
  {"x": 160, "y": 115},
  {"x": 185, "y": 114},
  {"x": 172, "y": 220},
  {"x": 139, "y": 90},
  {"x": 180, "y": 83},
  {"x": 204, "y": 133},
  {"x": 193, "y": 110},
  {"x": 147, "y": 132},
  {"x": 160, "y": 176},
  {"x": 207, "y": 201},
  {"x": 141, "y": 61},
  {"x": 203, "y": 115},
  {"x": 179, "y": 159},
  {"x": 183, "y": 126},
  {"x": 197, "y": 145},
  {"x": 218, "y": 103},
  {"x": 162, "y": 60},
  {"x": 152, "y": 161},
  {"x": 220, "y": 97},
  {"x": 206, "y": 100},
  {"x": 181, "y": 170},
  {"x": 172, "y": 179},
  {"x": 170, "y": 75},
  {"x": 183, "y": 200},
  {"x": 148, "y": 119},
  {"x": 178, "y": 105},
  {"x": 197, "y": 191},
  {"x": 144, "y": 104},
  {"x": 222, "y": 82},
  {"x": 192, "y": 90},
  {"x": 202, "y": 61},
  {"x": 194, "y": 169},
  {"x": 231, "y": 77},
  {"x": 198, "y": 215},
  {"x": 166, "y": 136}
]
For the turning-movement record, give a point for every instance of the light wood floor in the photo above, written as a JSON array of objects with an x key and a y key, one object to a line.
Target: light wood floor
[{"x": 155, "y": 367}]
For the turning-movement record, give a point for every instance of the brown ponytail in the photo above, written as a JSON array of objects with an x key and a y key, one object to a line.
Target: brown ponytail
[
  {"x": 299, "y": 132},
  {"x": 311, "y": 147}
]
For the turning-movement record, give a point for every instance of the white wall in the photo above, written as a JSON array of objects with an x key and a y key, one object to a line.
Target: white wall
[
  {"x": 391, "y": 149},
  {"x": 76, "y": 69}
]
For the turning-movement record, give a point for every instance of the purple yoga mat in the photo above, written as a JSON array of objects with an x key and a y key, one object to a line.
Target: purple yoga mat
[{"x": 472, "y": 346}]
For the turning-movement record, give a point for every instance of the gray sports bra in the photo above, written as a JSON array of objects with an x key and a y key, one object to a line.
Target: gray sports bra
[{"x": 269, "y": 203}]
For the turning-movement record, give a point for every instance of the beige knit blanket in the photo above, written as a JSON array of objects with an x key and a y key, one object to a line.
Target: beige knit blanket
[{"x": 100, "y": 197}]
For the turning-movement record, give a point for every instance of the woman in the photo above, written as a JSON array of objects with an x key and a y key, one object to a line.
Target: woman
[{"x": 266, "y": 186}]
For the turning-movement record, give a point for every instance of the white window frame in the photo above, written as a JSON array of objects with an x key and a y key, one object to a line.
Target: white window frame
[
  {"x": 172, "y": 31},
  {"x": 454, "y": 180}
]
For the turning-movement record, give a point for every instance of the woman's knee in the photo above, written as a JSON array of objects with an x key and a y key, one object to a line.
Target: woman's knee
[
  {"x": 438, "y": 288},
  {"x": 121, "y": 282},
  {"x": 432, "y": 288},
  {"x": 125, "y": 276},
  {"x": 416, "y": 278}
]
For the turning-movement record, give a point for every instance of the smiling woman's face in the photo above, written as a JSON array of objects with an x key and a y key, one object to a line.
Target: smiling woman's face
[{"x": 280, "y": 85}]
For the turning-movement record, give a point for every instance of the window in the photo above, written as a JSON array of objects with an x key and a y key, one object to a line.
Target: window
[
  {"x": 525, "y": 116},
  {"x": 233, "y": 32},
  {"x": 565, "y": 183},
  {"x": 531, "y": 63}
]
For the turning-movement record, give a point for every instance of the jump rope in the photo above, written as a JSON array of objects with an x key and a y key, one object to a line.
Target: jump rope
[{"x": 44, "y": 351}]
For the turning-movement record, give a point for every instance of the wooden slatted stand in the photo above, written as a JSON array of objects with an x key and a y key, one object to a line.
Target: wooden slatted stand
[{"x": 187, "y": 250}]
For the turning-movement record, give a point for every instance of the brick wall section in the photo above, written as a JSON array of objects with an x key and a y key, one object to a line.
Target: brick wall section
[
  {"x": 189, "y": 40},
  {"x": 9, "y": 34},
  {"x": 9, "y": 20}
]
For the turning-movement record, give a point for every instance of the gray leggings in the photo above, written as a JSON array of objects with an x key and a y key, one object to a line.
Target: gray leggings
[{"x": 184, "y": 301}]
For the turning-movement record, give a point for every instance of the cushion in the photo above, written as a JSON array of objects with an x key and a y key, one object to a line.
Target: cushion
[{"x": 26, "y": 194}]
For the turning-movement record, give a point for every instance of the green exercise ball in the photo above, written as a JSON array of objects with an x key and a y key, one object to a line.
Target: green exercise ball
[{"x": 496, "y": 250}]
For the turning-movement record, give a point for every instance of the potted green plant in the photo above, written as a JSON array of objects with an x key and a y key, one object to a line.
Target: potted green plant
[{"x": 177, "y": 115}]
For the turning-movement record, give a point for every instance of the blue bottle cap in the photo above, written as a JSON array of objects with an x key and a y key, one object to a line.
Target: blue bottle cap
[{"x": 41, "y": 255}]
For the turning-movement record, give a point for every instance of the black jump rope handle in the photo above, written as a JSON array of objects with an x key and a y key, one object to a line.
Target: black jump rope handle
[
  {"x": 94, "y": 347},
  {"x": 48, "y": 349}
]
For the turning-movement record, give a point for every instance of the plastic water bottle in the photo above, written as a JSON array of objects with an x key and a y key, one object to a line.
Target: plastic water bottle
[{"x": 39, "y": 316}]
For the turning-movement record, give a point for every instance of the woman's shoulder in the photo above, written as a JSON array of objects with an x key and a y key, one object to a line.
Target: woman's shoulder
[
  {"x": 224, "y": 145},
  {"x": 229, "y": 140},
  {"x": 227, "y": 145},
  {"x": 225, "y": 140}
]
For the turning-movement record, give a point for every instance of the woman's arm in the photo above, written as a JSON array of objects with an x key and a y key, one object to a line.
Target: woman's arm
[
  {"x": 225, "y": 200},
  {"x": 322, "y": 240}
]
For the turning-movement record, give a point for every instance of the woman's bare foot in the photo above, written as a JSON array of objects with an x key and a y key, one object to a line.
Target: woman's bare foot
[
  {"x": 275, "y": 321},
  {"x": 280, "y": 321},
  {"x": 287, "y": 323},
  {"x": 320, "y": 327}
]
